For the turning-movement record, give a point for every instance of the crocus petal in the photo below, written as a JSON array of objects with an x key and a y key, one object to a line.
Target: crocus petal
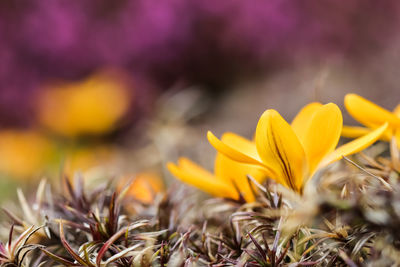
[
  {"x": 234, "y": 147},
  {"x": 192, "y": 174},
  {"x": 241, "y": 144},
  {"x": 397, "y": 137},
  {"x": 368, "y": 113},
  {"x": 233, "y": 171},
  {"x": 396, "y": 110},
  {"x": 354, "y": 146},
  {"x": 301, "y": 122},
  {"x": 280, "y": 149},
  {"x": 354, "y": 131},
  {"x": 322, "y": 135},
  {"x": 188, "y": 165},
  {"x": 357, "y": 131}
]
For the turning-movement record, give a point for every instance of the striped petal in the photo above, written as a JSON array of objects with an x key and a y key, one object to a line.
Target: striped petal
[
  {"x": 192, "y": 174},
  {"x": 323, "y": 134},
  {"x": 301, "y": 122},
  {"x": 281, "y": 150},
  {"x": 368, "y": 113},
  {"x": 354, "y": 146}
]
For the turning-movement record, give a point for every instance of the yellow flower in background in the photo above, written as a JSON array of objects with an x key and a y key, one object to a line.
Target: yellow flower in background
[
  {"x": 144, "y": 186},
  {"x": 91, "y": 106},
  {"x": 291, "y": 154},
  {"x": 23, "y": 153},
  {"x": 85, "y": 159},
  {"x": 229, "y": 176},
  {"x": 371, "y": 116}
]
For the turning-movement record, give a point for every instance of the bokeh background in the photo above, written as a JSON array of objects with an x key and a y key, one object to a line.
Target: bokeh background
[{"x": 118, "y": 88}]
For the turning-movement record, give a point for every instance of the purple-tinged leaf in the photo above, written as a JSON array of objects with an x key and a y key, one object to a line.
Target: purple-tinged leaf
[
  {"x": 70, "y": 250},
  {"x": 57, "y": 258}
]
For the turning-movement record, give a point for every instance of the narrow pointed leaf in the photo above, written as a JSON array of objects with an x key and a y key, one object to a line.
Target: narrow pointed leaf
[
  {"x": 69, "y": 248},
  {"x": 58, "y": 259}
]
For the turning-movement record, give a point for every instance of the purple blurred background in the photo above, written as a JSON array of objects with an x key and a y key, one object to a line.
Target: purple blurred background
[{"x": 161, "y": 44}]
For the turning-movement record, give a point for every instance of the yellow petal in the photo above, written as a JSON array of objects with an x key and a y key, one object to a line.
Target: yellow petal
[
  {"x": 357, "y": 131},
  {"x": 354, "y": 146},
  {"x": 302, "y": 120},
  {"x": 85, "y": 107},
  {"x": 281, "y": 150},
  {"x": 235, "y": 147},
  {"x": 144, "y": 186},
  {"x": 322, "y": 135},
  {"x": 354, "y": 131},
  {"x": 397, "y": 137},
  {"x": 368, "y": 113},
  {"x": 192, "y": 174},
  {"x": 233, "y": 171},
  {"x": 189, "y": 166},
  {"x": 396, "y": 110},
  {"x": 241, "y": 144},
  {"x": 24, "y": 154}
]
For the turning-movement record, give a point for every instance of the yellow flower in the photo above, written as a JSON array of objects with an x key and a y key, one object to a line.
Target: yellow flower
[
  {"x": 91, "y": 106},
  {"x": 87, "y": 159},
  {"x": 229, "y": 176},
  {"x": 291, "y": 154},
  {"x": 144, "y": 187},
  {"x": 24, "y": 153},
  {"x": 371, "y": 116}
]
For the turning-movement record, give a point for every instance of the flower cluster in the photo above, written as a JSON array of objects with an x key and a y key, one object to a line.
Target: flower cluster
[
  {"x": 290, "y": 154},
  {"x": 135, "y": 221},
  {"x": 66, "y": 113}
]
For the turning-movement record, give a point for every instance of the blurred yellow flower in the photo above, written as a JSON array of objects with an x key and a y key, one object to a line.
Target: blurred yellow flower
[
  {"x": 23, "y": 153},
  {"x": 291, "y": 154},
  {"x": 229, "y": 176},
  {"x": 85, "y": 159},
  {"x": 144, "y": 186},
  {"x": 371, "y": 116},
  {"x": 91, "y": 106}
]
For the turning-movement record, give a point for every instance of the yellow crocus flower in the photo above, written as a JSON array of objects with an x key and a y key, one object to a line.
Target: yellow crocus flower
[
  {"x": 24, "y": 153},
  {"x": 371, "y": 116},
  {"x": 144, "y": 186},
  {"x": 92, "y": 106},
  {"x": 87, "y": 159},
  {"x": 229, "y": 175},
  {"x": 291, "y": 154}
]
